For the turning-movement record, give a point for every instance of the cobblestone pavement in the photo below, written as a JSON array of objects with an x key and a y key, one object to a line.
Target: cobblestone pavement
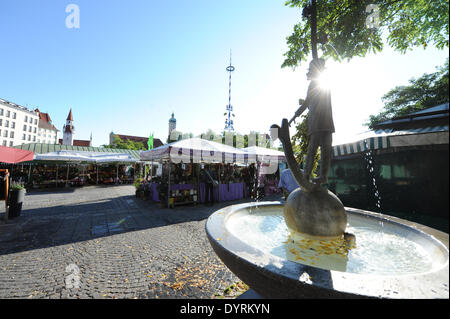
[{"x": 123, "y": 247}]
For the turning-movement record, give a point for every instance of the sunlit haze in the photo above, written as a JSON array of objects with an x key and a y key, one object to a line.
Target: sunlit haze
[{"x": 131, "y": 64}]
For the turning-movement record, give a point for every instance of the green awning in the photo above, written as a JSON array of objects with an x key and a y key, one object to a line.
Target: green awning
[{"x": 42, "y": 148}]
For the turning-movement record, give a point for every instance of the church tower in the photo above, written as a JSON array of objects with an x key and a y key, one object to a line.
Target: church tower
[
  {"x": 172, "y": 124},
  {"x": 68, "y": 130}
]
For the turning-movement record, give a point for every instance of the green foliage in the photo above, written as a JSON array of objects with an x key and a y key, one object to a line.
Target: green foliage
[
  {"x": 125, "y": 145},
  {"x": 300, "y": 142},
  {"x": 16, "y": 186},
  {"x": 407, "y": 24},
  {"x": 138, "y": 182},
  {"x": 427, "y": 91}
]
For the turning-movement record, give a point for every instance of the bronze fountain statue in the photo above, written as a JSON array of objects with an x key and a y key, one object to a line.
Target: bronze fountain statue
[
  {"x": 314, "y": 261},
  {"x": 312, "y": 209}
]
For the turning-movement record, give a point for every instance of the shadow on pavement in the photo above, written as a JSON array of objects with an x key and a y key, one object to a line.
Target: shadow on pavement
[{"x": 81, "y": 220}]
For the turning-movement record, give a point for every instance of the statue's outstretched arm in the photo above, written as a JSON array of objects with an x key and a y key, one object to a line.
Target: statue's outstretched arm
[{"x": 300, "y": 110}]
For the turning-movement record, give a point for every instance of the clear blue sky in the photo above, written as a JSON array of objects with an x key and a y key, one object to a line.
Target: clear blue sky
[{"x": 131, "y": 63}]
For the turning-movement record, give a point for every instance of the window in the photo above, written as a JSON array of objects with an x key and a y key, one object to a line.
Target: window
[
  {"x": 39, "y": 140},
  {"x": 34, "y": 131},
  {"x": 31, "y": 120},
  {"x": 34, "y": 138},
  {"x": 5, "y": 133},
  {"x": 24, "y": 137},
  {"x": 1, "y": 121},
  {"x": 26, "y": 118},
  {"x": 25, "y": 127},
  {"x": 6, "y": 123},
  {"x": 11, "y": 134},
  {"x": 14, "y": 115},
  {"x": 13, "y": 124},
  {"x": 4, "y": 143},
  {"x": 11, "y": 143},
  {"x": 35, "y": 121},
  {"x": 8, "y": 113},
  {"x": 29, "y": 129},
  {"x": 29, "y": 138},
  {"x": 1, "y": 111}
]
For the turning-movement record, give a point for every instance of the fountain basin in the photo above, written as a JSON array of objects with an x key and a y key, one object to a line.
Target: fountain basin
[{"x": 251, "y": 241}]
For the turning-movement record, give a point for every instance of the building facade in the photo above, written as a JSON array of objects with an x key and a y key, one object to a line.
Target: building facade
[
  {"x": 400, "y": 168},
  {"x": 18, "y": 124},
  {"x": 47, "y": 132}
]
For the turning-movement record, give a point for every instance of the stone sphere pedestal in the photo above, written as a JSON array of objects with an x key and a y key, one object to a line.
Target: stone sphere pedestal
[{"x": 317, "y": 213}]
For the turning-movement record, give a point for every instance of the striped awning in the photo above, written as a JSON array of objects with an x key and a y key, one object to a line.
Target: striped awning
[
  {"x": 42, "y": 148},
  {"x": 382, "y": 139},
  {"x": 371, "y": 143}
]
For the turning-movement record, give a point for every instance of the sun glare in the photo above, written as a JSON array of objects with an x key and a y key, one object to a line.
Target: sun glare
[{"x": 326, "y": 79}]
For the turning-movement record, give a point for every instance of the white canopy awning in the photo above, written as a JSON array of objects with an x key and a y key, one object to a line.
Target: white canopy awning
[
  {"x": 263, "y": 154},
  {"x": 90, "y": 157},
  {"x": 196, "y": 149}
]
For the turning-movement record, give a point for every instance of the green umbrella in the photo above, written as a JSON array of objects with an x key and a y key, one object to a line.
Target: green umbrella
[{"x": 150, "y": 142}]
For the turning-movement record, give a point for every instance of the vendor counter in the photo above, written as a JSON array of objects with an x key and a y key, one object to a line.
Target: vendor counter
[{"x": 224, "y": 192}]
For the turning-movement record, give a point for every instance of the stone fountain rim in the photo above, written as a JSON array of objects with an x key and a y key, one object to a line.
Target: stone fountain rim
[{"x": 431, "y": 284}]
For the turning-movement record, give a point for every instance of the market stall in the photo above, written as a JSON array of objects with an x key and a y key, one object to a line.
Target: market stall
[
  {"x": 180, "y": 182},
  {"x": 268, "y": 161},
  {"x": 55, "y": 165},
  {"x": 78, "y": 168},
  {"x": 9, "y": 155}
]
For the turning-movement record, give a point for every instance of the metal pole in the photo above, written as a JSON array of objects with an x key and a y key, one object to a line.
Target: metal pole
[
  {"x": 67, "y": 176},
  {"x": 218, "y": 186},
  {"x": 6, "y": 182},
  {"x": 29, "y": 174},
  {"x": 96, "y": 165},
  {"x": 168, "y": 186}
]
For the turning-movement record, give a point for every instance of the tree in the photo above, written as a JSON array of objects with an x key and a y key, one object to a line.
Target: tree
[
  {"x": 211, "y": 136},
  {"x": 348, "y": 28},
  {"x": 118, "y": 143},
  {"x": 300, "y": 142},
  {"x": 427, "y": 91},
  {"x": 178, "y": 136}
]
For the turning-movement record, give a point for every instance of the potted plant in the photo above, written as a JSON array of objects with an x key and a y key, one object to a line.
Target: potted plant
[
  {"x": 15, "y": 200},
  {"x": 138, "y": 186}
]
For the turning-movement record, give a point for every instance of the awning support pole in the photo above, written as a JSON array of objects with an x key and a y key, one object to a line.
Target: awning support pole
[
  {"x": 168, "y": 187},
  {"x": 67, "y": 176}
]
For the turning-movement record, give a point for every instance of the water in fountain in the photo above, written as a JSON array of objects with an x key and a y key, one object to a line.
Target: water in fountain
[
  {"x": 368, "y": 156},
  {"x": 259, "y": 183},
  {"x": 266, "y": 230}
]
